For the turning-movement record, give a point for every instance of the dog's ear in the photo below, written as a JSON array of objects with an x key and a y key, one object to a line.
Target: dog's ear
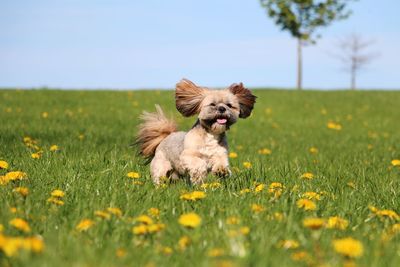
[
  {"x": 188, "y": 97},
  {"x": 245, "y": 97}
]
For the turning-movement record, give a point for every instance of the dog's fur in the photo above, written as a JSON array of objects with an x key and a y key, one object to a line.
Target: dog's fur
[{"x": 204, "y": 148}]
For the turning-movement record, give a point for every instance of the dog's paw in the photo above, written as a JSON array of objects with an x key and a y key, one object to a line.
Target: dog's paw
[{"x": 222, "y": 172}]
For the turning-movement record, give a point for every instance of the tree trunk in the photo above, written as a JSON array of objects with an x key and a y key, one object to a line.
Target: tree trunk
[
  {"x": 299, "y": 65},
  {"x": 353, "y": 77}
]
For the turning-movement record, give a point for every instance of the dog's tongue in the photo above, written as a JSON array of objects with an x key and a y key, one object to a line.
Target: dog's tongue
[{"x": 221, "y": 121}]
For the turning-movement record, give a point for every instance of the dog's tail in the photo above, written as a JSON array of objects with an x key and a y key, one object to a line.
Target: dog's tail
[{"x": 154, "y": 128}]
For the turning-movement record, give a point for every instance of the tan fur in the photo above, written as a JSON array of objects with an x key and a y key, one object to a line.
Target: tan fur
[
  {"x": 204, "y": 148},
  {"x": 155, "y": 128}
]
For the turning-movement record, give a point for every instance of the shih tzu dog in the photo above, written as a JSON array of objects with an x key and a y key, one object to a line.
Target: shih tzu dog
[{"x": 204, "y": 148}]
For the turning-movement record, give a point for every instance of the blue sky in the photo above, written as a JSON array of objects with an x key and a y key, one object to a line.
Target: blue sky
[{"x": 152, "y": 44}]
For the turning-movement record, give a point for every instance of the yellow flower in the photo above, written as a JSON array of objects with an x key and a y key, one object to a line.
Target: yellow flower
[
  {"x": 337, "y": 222},
  {"x": 20, "y": 224},
  {"x": 193, "y": 196},
  {"x": 45, "y": 115},
  {"x": 57, "y": 193},
  {"x": 264, "y": 151},
  {"x": 213, "y": 185},
  {"x": 216, "y": 252},
  {"x": 388, "y": 213},
  {"x": 155, "y": 227},
  {"x": 299, "y": 256},
  {"x": 307, "y": 175},
  {"x": 11, "y": 245},
  {"x": 144, "y": 229},
  {"x": 84, "y": 225},
  {"x": 247, "y": 165},
  {"x": 23, "y": 191},
  {"x": 244, "y": 230},
  {"x": 334, "y": 126},
  {"x": 244, "y": 191},
  {"x": 54, "y": 148},
  {"x": 1, "y": 228},
  {"x": 55, "y": 200},
  {"x": 312, "y": 195},
  {"x": 35, "y": 155},
  {"x": 115, "y": 211},
  {"x": 259, "y": 188},
  {"x": 306, "y": 204},
  {"x": 3, "y": 164},
  {"x": 257, "y": 208},
  {"x": 13, "y": 176},
  {"x": 144, "y": 219},
  {"x": 120, "y": 253},
  {"x": 167, "y": 250},
  {"x": 102, "y": 214},
  {"x": 348, "y": 247},
  {"x": 133, "y": 175},
  {"x": 190, "y": 220},
  {"x": 154, "y": 212},
  {"x": 313, "y": 223},
  {"x": 313, "y": 150},
  {"x": 184, "y": 242},
  {"x": 396, "y": 162},
  {"x": 233, "y": 155},
  {"x": 288, "y": 244},
  {"x": 140, "y": 229},
  {"x": 232, "y": 220}
]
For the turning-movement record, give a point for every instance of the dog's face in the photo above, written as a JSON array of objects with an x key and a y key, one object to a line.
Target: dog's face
[{"x": 217, "y": 109}]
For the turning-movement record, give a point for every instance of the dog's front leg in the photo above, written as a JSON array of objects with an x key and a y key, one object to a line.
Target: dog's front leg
[
  {"x": 194, "y": 165},
  {"x": 220, "y": 166}
]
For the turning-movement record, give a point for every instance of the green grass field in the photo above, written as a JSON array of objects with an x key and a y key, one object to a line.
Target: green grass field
[{"x": 351, "y": 163}]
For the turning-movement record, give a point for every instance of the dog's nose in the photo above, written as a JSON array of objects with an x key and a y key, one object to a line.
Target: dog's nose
[{"x": 221, "y": 109}]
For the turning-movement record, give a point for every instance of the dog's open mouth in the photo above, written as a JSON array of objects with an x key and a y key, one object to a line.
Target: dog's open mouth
[{"x": 222, "y": 120}]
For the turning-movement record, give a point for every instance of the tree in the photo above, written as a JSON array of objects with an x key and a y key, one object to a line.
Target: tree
[
  {"x": 302, "y": 18},
  {"x": 354, "y": 56}
]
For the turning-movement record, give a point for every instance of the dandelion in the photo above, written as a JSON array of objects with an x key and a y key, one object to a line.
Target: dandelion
[
  {"x": 244, "y": 191},
  {"x": 81, "y": 136},
  {"x": 45, "y": 115},
  {"x": 247, "y": 165},
  {"x": 307, "y": 176},
  {"x": 133, "y": 175},
  {"x": 259, "y": 188},
  {"x": 140, "y": 229},
  {"x": 102, "y": 214},
  {"x": 212, "y": 186},
  {"x": 388, "y": 214},
  {"x": 395, "y": 162},
  {"x": 166, "y": 250},
  {"x": 184, "y": 242},
  {"x": 144, "y": 229},
  {"x": 300, "y": 256},
  {"x": 313, "y": 150},
  {"x": 348, "y": 247},
  {"x": 216, "y": 252},
  {"x": 288, "y": 244},
  {"x": 23, "y": 191},
  {"x": 14, "y": 176},
  {"x": 233, "y": 220},
  {"x": 257, "y": 208},
  {"x": 144, "y": 219},
  {"x": 54, "y": 148},
  {"x": 244, "y": 230},
  {"x": 120, "y": 253},
  {"x": 84, "y": 225},
  {"x": 115, "y": 211},
  {"x": 334, "y": 126},
  {"x": 190, "y": 220},
  {"x": 306, "y": 204},
  {"x": 264, "y": 151},
  {"x": 56, "y": 201},
  {"x": 154, "y": 212},
  {"x": 20, "y": 224},
  {"x": 3, "y": 164},
  {"x": 36, "y": 155},
  {"x": 278, "y": 216},
  {"x": 193, "y": 196},
  {"x": 313, "y": 223},
  {"x": 233, "y": 155},
  {"x": 336, "y": 222},
  {"x": 57, "y": 193}
]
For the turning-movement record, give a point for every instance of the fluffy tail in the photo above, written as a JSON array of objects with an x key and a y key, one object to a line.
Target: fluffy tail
[{"x": 154, "y": 128}]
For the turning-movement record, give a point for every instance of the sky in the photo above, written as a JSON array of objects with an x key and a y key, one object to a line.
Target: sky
[{"x": 115, "y": 44}]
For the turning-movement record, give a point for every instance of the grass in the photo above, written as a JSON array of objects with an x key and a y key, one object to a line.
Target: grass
[{"x": 94, "y": 130}]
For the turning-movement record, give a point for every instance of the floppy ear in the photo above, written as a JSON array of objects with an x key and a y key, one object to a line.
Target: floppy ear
[
  {"x": 188, "y": 97},
  {"x": 245, "y": 97}
]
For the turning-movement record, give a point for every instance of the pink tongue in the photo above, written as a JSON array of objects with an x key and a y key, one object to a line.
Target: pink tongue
[{"x": 221, "y": 121}]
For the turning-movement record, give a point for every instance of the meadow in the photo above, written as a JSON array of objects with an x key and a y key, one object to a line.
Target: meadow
[{"x": 316, "y": 182}]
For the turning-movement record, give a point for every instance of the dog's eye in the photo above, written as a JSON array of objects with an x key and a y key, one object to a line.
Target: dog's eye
[
  {"x": 212, "y": 104},
  {"x": 229, "y": 105}
]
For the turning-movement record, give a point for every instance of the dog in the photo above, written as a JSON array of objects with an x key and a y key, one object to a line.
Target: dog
[{"x": 204, "y": 148}]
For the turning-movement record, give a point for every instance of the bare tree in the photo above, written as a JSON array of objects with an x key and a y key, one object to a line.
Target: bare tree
[{"x": 354, "y": 55}]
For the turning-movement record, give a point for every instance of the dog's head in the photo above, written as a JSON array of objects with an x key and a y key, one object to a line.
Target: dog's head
[{"x": 217, "y": 109}]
